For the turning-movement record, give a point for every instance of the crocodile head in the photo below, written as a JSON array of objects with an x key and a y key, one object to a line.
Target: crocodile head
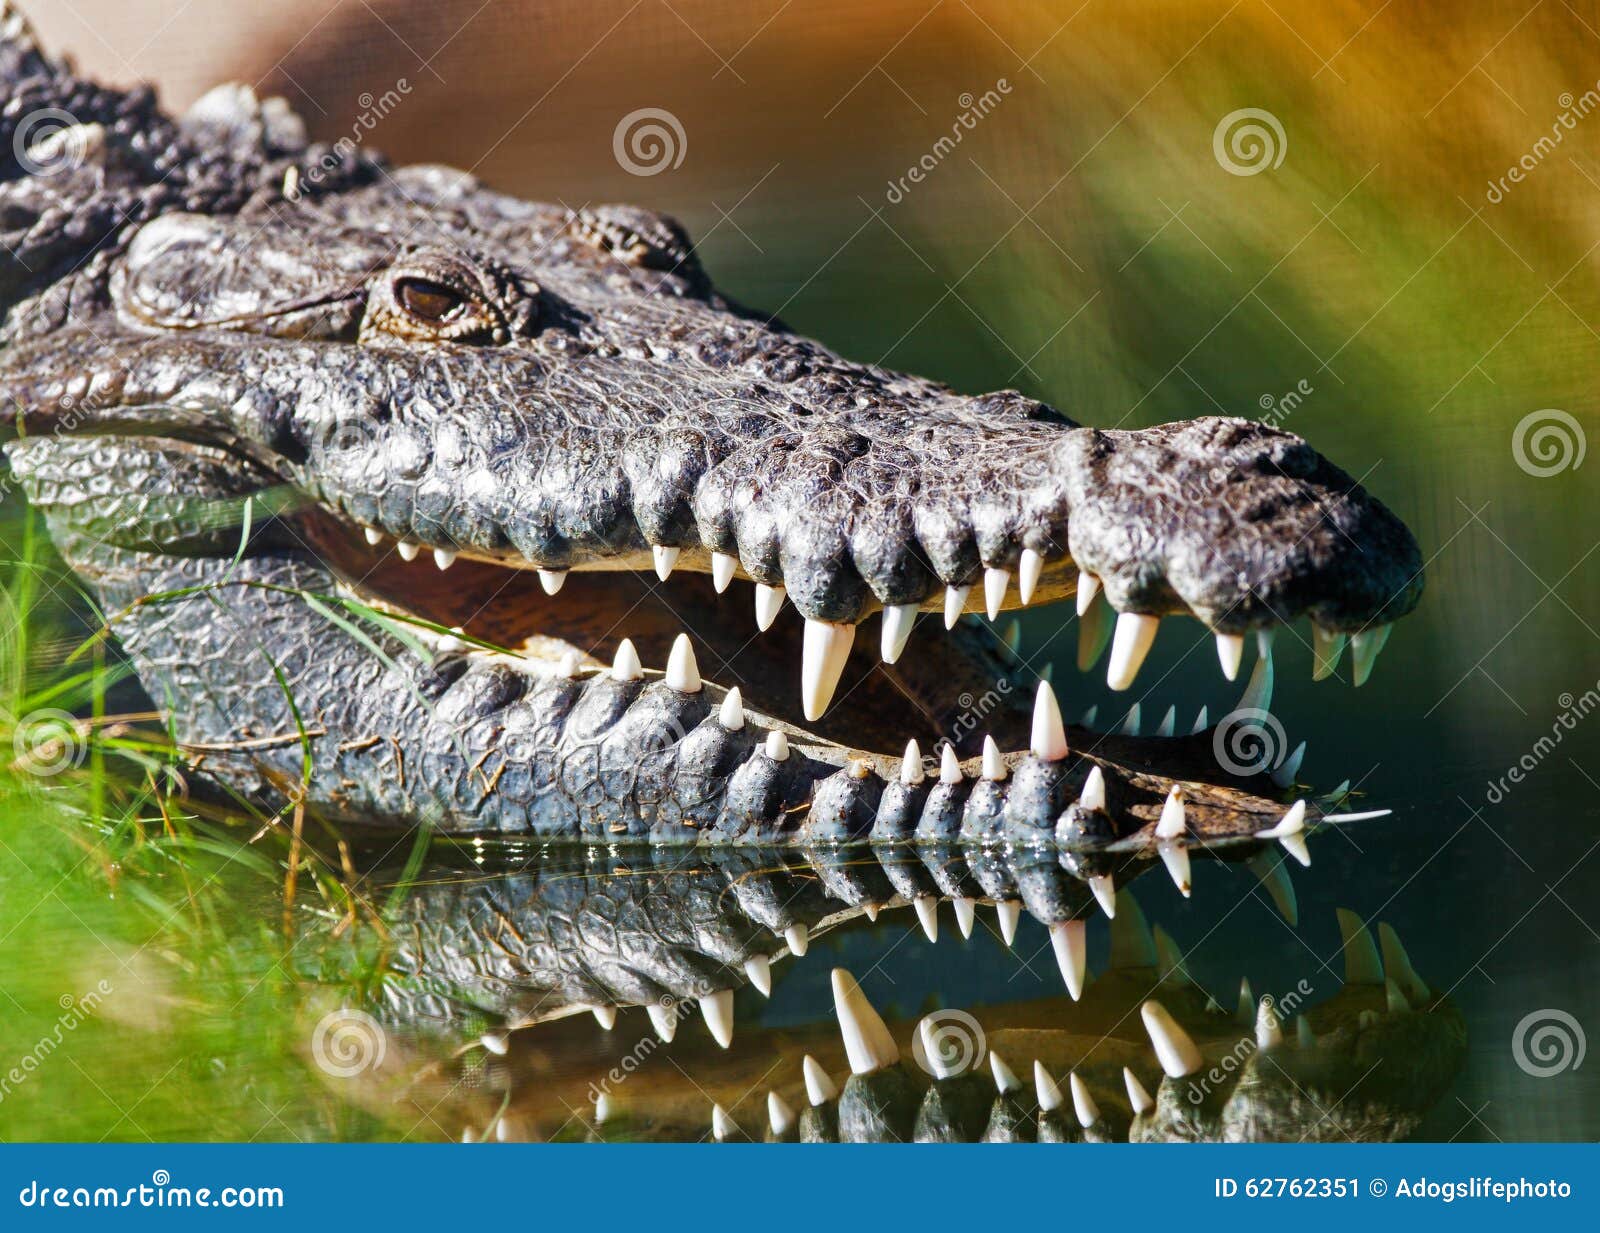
[
  {"x": 497, "y": 958},
  {"x": 557, "y": 407}
]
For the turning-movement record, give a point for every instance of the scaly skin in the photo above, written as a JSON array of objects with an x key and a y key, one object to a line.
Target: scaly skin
[
  {"x": 508, "y": 958},
  {"x": 212, "y": 327}
]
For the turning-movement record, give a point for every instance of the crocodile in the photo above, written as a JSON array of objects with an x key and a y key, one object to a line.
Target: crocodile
[
  {"x": 499, "y": 957},
  {"x": 389, "y": 485}
]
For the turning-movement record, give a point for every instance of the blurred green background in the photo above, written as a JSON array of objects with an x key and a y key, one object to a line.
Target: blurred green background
[{"x": 1359, "y": 264}]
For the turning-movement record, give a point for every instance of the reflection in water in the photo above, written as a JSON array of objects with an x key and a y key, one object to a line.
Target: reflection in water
[{"x": 519, "y": 975}]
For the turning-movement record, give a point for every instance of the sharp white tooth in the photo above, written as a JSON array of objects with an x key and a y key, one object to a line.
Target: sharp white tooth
[
  {"x": 1283, "y": 775},
  {"x": 444, "y": 558},
  {"x": 966, "y": 914},
  {"x": 1292, "y": 823},
  {"x": 995, "y": 583},
  {"x": 955, "y": 603},
  {"x": 798, "y": 938},
  {"x": 495, "y": 1043},
  {"x": 1070, "y": 939},
  {"x": 1093, "y": 795},
  {"x": 1361, "y": 963},
  {"x": 374, "y": 536},
  {"x": 407, "y": 550},
  {"x": 827, "y": 647},
  {"x": 663, "y": 1020},
  {"x": 1326, "y": 649},
  {"x": 1132, "y": 720},
  {"x": 1175, "y": 856},
  {"x": 897, "y": 622},
  {"x": 1172, "y": 824},
  {"x": 928, "y": 1031},
  {"x": 1082, "y": 1103},
  {"x": 1303, "y": 1035},
  {"x": 870, "y": 911},
  {"x": 1175, "y": 1050},
  {"x": 758, "y": 971},
  {"x": 927, "y": 908},
  {"x": 769, "y": 601},
  {"x": 1088, "y": 588},
  {"x": 1005, "y": 1079},
  {"x": 1257, "y": 694},
  {"x": 717, "y": 1010},
  {"x": 994, "y": 766},
  {"x": 867, "y": 1042},
  {"x": 1275, "y": 878},
  {"x": 1050, "y": 1097},
  {"x": 1169, "y": 960},
  {"x": 1105, "y": 893},
  {"x": 451, "y": 642},
  {"x": 570, "y": 663},
  {"x": 1129, "y": 645},
  {"x": 1230, "y": 651},
  {"x": 723, "y": 1127},
  {"x": 1029, "y": 570},
  {"x": 625, "y": 665},
  {"x": 1138, "y": 1098},
  {"x": 949, "y": 768},
  {"x": 722, "y": 566},
  {"x": 602, "y": 1108},
  {"x": 1246, "y": 1012},
  {"x": 1169, "y": 723},
  {"x": 780, "y": 1117},
  {"x": 1049, "y": 738},
  {"x": 1397, "y": 963},
  {"x": 1007, "y": 912},
  {"x": 1201, "y": 721},
  {"x": 777, "y": 746},
  {"x": 1338, "y": 794},
  {"x": 820, "y": 1089},
  {"x": 605, "y": 1016},
  {"x": 731, "y": 714},
  {"x": 1264, "y": 641},
  {"x": 1394, "y": 1001},
  {"x": 552, "y": 580},
  {"x": 1048, "y": 673},
  {"x": 1269, "y": 1032},
  {"x": 665, "y": 558},
  {"x": 1094, "y": 634},
  {"x": 1295, "y": 846},
  {"x": 911, "y": 772},
  {"x": 683, "y": 674},
  {"x": 1364, "y": 648}
]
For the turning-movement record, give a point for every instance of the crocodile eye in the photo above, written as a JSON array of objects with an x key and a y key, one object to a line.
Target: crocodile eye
[{"x": 427, "y": 300}]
